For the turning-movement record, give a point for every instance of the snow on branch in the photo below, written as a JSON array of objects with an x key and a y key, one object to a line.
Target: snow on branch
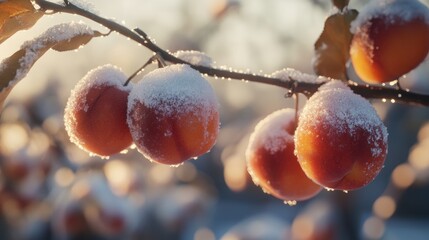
[{"x": 293, "y": 81}]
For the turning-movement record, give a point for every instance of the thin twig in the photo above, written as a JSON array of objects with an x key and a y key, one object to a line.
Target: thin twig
[{"x": 137, "y": 35}]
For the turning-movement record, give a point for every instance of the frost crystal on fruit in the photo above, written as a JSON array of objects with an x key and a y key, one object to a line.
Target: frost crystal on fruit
[
  {"x": 341, "y": 143},
  {"x": 173, "y": 115},
  {"x": 271, "y": 161},
  {"x": 95, "y": 114}
]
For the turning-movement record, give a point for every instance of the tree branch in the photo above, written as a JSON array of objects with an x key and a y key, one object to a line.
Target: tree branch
[{"x": 294, "y": 85}]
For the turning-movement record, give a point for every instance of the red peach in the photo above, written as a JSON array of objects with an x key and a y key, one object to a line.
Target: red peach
[
  {"x": 340, "y": 141},
  {"x": 173, "y": 115},
  {"x": 390, "y": 40},
  {"x": 95, "y": 116},
  {"x": 271, "y": 161}
]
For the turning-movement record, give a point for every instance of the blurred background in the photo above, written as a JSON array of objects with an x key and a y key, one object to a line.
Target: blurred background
[{"x": 50, "y": 189}]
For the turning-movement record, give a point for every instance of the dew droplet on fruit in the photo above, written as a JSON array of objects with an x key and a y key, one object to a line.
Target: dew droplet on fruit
[
  {"x": 393, "y": 83},
  {"x": 384, "y": 100},
  {"x": 176, "y": 165},
  {"x": 345, "y": 191},
  {"x": 290, "y": 202},
  {"x": 125, "y": 151},
  {"x": 329, "y": 189}
]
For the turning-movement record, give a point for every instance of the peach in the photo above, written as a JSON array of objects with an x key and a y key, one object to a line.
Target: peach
[
  {"x": 96, "y": 112},
  {"x": 173, "y": 115},
  {"x": 73, "y": 221},
  {"x": 340, "y": 141},
  {"x": 390, "y": 40},
  {"x": 271, "y": 161},
  {"x": 106, "y": 222}
]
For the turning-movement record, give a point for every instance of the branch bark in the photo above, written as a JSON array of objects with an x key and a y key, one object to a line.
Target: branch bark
[{"x": 386, "y": 93}]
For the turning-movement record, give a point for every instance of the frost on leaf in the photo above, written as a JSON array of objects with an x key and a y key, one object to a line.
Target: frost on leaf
[
  {"x": 62, "y": 37},
  {"x": 332, "y": 46},
  {"x": 194, "y": 58},
  {"x": 16, "y": 15}
]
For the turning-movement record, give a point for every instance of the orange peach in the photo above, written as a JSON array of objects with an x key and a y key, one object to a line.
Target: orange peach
[
  {"x": 96, "y": 112},
  {"x": 340, "y": 141},
  {"x": 390, "y": 40},
  {"x": 271, "y": 161},
  {"x": 173, "y": 115}
]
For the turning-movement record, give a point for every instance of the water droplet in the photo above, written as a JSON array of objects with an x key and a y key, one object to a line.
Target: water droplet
[
  {"x": 290, "y": 202},
  {"x": 392, "y": 101},
  {"x": 177, "y": 165},
  {"x": 384, "y": 100},
  {"x": 329, "y": 189},
  {"x": 393, "y": 83},
  {"x": 345, "y": 191},
  {"x": 399, "y": 95}
]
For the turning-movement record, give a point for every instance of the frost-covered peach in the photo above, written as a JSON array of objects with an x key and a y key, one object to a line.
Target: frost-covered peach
[
  {"x": 391, "y": 38},
  {"x": 340, "y": 141},
  {"x": 271, "y": 161},
  {"x": 96, "y": 112},
  {"x": 173, "y": 115}
]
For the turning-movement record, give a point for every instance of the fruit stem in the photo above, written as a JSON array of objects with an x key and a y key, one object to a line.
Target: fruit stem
[
  {"x": 340, "y": 4},
  {"x": 296, "y": 97},
  {"x": 139, "y": 70},
  {"x": 398, "y": 84},
  {"x": 161, "y": 61}
]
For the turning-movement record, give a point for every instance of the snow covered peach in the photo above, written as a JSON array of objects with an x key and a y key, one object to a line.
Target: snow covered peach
[
  {"x": 96, "y": 112},
  {"x": 340, "y": 141},
  {"x": 271, "y": 161},
  {"x": 391, "y": 38},
  {"x": 173, "y": 115}
]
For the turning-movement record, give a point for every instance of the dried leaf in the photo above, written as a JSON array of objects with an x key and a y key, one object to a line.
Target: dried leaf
[
  {"x": 333, "y": 45},
  {"x": 16, "y": 67},
  {"x": 16, "y": 15},
  {"x": 75, "y": 42}
]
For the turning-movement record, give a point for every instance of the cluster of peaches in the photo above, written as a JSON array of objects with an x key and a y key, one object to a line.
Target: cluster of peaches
[
  {"x": 336, "y": 142},
  {"x": 171, "y": 115}
]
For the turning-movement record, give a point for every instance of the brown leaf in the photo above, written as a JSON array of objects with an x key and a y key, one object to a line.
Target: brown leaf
[
  {"x": 16, "y": 15},
  {"x": 16, "y": 67},
  {"x": 75, "y": 42},
  {"x": 333, "y": 45}
]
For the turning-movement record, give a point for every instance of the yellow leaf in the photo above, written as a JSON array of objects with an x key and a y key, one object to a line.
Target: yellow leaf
[
  {"x": 333, "y": 45},
  {"x": 16, "y": 15}
]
